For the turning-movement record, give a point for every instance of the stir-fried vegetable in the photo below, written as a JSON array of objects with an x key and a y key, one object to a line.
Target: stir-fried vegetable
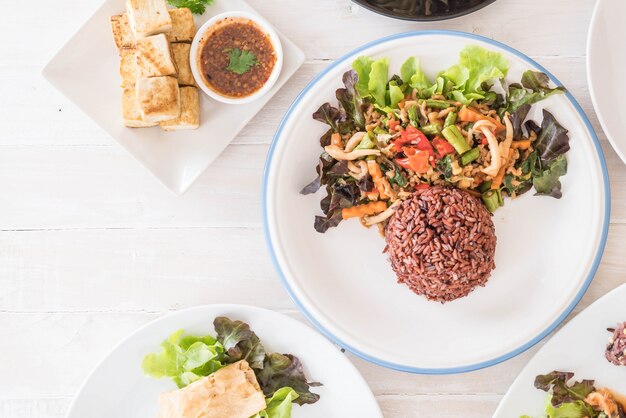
[
  {"x": 390, "y": 137},
  {"x": 573, "y": 399}
]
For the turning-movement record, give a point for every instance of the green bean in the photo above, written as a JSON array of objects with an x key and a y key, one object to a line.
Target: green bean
[
  {"x": 470, "y": 156},
  {"x": 491, "y": 200},
  {"x": 438, "y": 104},
  {"x": 450, "y": 119},
  {"x": 433, "y": 129},
  {"x": 456, "y": 139}
]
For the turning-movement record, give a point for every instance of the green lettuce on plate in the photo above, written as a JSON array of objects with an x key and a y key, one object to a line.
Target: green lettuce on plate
[{"x": 187, "y": 358}]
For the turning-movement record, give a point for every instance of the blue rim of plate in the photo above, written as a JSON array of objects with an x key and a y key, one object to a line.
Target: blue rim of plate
[{"x": 471, "y": 367}]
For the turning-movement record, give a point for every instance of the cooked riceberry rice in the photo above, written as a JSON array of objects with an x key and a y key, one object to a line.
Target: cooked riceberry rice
[
  {"x": 616, "y": 350},
  {"x": 441, "y": 243}
]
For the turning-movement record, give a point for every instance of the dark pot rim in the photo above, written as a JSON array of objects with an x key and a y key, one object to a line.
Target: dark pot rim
[{"x": 365, "y": 4}]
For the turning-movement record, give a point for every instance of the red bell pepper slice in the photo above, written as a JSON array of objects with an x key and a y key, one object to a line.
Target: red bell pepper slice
[
  {"x": 416, "y": 160},
  {"x": 411, "y": 136},
  {"x": 393, "y": 124},
  {"x": 443, "y": 147}
]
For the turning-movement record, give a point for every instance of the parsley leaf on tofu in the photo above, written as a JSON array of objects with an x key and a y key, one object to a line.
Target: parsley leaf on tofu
[
  {"x": 196, "y": 6},
  {"x": 241, "y": 61}
]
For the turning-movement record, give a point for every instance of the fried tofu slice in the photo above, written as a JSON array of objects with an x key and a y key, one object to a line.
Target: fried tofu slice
[
  {"x": 181, "y": 54},
  {"x": 154, "y": 57},
  {"x": 183, "y": 26},
  {"x": 189, "y": 112},
  {"x": 131, "y": 112},
  {"x": 232, "y": 392},
  {"x": 122, "y": 34},
  {"x": 159, "y": 98},
  {"x": 148, "y": 17},
  {"x": 128, "y": 68}
]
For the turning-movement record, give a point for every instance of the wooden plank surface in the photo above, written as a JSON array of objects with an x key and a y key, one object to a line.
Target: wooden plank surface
[{"x": 92, "y": 247}]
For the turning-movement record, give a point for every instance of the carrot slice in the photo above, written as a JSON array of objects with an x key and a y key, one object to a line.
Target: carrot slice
[
  {"x": 359, "y": 211},
  {"x": 468, "y": 115}
]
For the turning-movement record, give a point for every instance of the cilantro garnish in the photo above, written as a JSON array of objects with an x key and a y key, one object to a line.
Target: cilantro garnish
[
  {"x": 241, "y": 61},
  {"x": 196, "y": 6}
]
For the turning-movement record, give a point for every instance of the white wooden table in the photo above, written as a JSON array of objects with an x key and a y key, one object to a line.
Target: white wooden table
[{"x": 92, "y": 246}]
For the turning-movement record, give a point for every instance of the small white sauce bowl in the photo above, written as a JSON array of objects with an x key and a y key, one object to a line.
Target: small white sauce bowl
[{"x": 206, "y": 30}]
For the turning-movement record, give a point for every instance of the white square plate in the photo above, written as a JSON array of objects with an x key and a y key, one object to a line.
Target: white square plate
[{"x": 86, "y": 70}]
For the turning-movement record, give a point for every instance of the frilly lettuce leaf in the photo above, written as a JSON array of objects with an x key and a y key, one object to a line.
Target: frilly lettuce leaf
[
  {"x": 556, "y": 382},
  {"x": 535, "y": 87},
  {"x": 239, "y": 342},
  {"x": 517, "y": 120},
  {"x": 350, "y": 100},
  {"x": 282, "y": 370},
  {"x": 552, "y": 140},
  {"x": 184, "y": 359},
  {"x": 333, "y": 117},
  {"x": 279, "y": 404},
  {"x": 548, "y": 183},
  {"x": 340, "y": 194},
  {"x": 327, "y": 169}
]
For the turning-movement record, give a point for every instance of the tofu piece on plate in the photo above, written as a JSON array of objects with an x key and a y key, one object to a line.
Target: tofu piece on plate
[
  {"x": 130, "y": 110},
  {"x": 128, "y": 68},
  {"x": 181, "y": 54},
  {"x": 122, "y": 34},
  {"x": 159, "y": 98},
  {"x": 189, "y": 111},
  {"x": 230, "y": 392},
  {"x": 154, "y": 57},
  {"x": 183, "y": 26},
  {"x": 148, "y": 17}
]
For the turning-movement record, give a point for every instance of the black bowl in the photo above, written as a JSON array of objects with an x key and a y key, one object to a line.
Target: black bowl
[{"x": 415, "y": 10}]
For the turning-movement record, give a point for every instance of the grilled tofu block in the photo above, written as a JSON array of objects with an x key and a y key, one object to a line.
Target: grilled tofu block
[
  {"x": 159, "y": 98},
  {"x": 148, "y": 17},
  {"x": 183, "y": 26},
  {"x": 128, "y": 68},
  {"x": 232, "y": 392},
  {"x": 122, "y": 34},
  {"x": 189, "y": 111},
  {"x": 154, "y": 57},
  {"x": 131, "y": 112},
  {"x": 181, "y": 54}
]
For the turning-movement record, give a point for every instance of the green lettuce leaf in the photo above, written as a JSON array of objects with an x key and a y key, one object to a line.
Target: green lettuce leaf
[
  {"x": 239, "y": 342},
  {"x": 363, "y": 66},
  {"x": 482, "y": 65},
  {"x": 576, "y": 409},
  {"x": 409, "y": 68},
  {"x": 184, "y": 359},
  {"x": 458, "y": 75},
  {"x": 377, "y": 84},
  {"x": 279, "y": 404},
  {"x": 395, "y": 95},
  {"x": 281, "y": 370}
]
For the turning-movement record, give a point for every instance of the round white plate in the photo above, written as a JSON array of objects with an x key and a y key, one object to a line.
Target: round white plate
[
  {"x": 606, "y": 61},
  {"x": 118, "y": 388},
  {"x": 548, "y": 250},
  {"x": 579, "y": 348}
]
